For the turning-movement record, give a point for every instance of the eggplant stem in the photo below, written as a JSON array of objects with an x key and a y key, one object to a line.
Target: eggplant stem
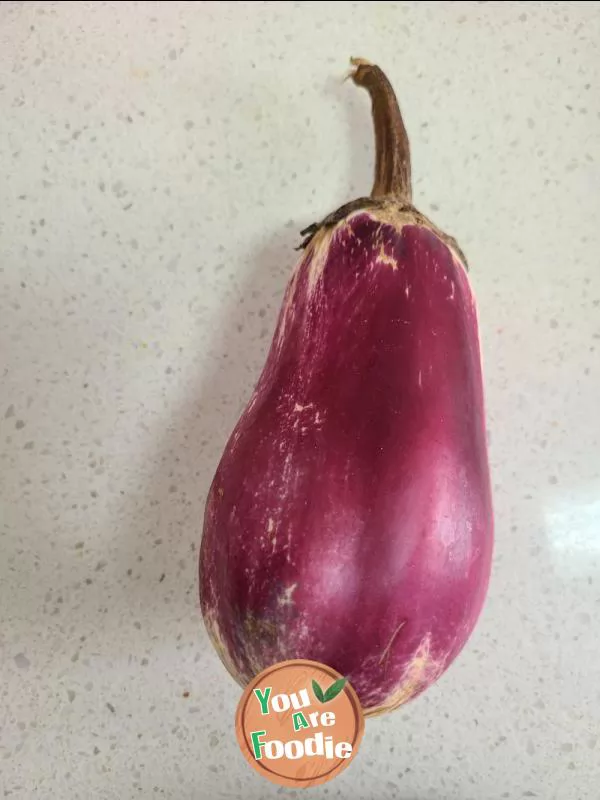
[{"x": 392, "y": 148}]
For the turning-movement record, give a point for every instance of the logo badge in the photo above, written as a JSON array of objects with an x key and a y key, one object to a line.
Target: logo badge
[{"x": 299, "y": 723}]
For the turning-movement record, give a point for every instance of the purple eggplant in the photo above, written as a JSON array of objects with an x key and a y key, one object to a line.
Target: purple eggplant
[{"x": 350, "y": 518}]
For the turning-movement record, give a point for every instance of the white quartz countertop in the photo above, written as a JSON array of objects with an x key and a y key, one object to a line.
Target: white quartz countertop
[{"x": 157, "y": 162}]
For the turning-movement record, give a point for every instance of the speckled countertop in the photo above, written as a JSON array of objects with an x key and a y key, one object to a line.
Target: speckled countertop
[{"x": 156, "y": 164}]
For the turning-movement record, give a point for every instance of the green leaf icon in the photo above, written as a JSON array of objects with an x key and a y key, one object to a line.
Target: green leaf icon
[
  {"x": 318, "y": 692},
  {"x": 334, "y": 690}
]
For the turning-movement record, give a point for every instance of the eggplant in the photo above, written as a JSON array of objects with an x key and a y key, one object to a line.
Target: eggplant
[{"x": 350, "y": 517}]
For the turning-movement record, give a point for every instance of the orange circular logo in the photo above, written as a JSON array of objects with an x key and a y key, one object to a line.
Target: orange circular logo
[{"x": 299, "y": 723}]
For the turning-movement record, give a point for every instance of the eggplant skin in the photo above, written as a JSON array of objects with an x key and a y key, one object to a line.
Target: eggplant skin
[{"x": 350, "y": 519}]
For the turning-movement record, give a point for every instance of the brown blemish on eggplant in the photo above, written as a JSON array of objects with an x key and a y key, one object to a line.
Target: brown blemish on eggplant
[
  {"x": 256, "y": 627},
  {"x": 214, "y": 633},
  {"x": 259, "y": 635}
]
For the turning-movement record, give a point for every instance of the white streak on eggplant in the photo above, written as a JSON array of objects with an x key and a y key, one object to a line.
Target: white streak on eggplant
[
  {"x": 385, "y": 259},
  {"x": 422, "y": 670},
  {"x": 286, "y": 597}
]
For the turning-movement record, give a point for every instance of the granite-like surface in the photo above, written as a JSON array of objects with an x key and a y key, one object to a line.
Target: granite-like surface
[{"x": 156, "y": 164}]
